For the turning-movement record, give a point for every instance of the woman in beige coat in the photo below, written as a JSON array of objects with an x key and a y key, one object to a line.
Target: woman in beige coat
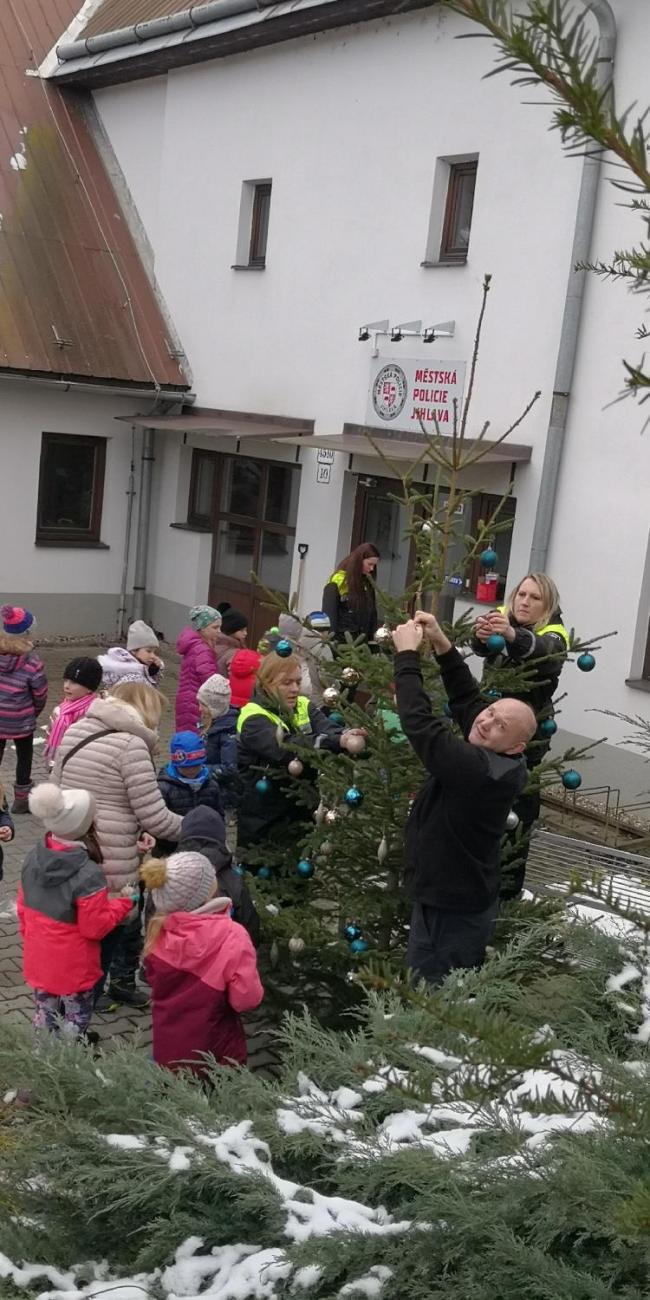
[{"x": 110, "y": 753}]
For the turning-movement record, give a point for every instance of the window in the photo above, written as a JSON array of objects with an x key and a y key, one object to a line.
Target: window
[
  {"x": 253, "y": 230},
  {"x": 458, "y": 212},
  {"x": 202, "y": 482},
  {"x": 70, "y": 490},
  {"x": 260, "y": 224}
]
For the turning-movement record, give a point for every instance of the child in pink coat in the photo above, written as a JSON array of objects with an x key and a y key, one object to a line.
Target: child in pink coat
[
  {"x": 196, "y": 646},
  {"x": 200, "y": 964}
]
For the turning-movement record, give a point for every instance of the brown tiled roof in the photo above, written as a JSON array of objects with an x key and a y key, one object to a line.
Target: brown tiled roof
[
  {"x": 114, "y": 14},
  {"x": 75, "y": 299}
]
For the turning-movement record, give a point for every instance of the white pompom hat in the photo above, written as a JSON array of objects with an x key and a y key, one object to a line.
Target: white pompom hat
[{"x": 68, "y": 813}]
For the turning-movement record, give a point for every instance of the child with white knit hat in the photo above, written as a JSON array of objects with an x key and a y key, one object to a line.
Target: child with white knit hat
[
  {"x": 139, "y": 662},
  {"x": 64, "y": 912},
  {"x": 219, "y": 728},
  {"x": 200, "y": 965}
]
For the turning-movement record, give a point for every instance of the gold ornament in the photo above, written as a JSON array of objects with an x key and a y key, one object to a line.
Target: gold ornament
[
  {"x": 331, "y": 816},
  {"x": 384, "y": 636},
  {"x": 350, "y": 676},
  {"x": 331, "y": 696}
]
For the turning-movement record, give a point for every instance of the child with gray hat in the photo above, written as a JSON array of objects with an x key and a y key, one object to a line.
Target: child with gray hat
[
  {"x": 200, "y": 965},
  {"x": 139, "y": 662}
]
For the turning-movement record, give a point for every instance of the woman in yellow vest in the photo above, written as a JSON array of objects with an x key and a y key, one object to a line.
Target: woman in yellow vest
[
  {"x": 278, "y": 713},
  {"x": 535, "y": 637},
  {"x": 349, "y": 596}
]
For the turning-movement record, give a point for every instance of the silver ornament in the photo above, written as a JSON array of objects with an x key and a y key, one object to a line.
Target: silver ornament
[
  {"x": 331, "y": 696},
  {"x": 274, "y": 955},
  {"x": 382, "y": 849},
  {"x": 296, "y": 768},
  {"x": 319, "y": 814},
  {"x": 350, "y": 676},
  {"x": 296, "y": 945},
  {"x": 326, "y": 847},
  {"x": 512, "y": 821},
  {"x": 384, "y": 636},
  {"x": 331, "y": 816}
]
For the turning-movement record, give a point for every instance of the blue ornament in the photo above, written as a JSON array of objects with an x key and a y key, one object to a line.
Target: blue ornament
[
  {"x": 586, "y": 662},
  {"x": 548, "y": 727},
  {"x": 446, "y": 708},
  {"x": 571, "y": 780},
  {"x": 264, "y": 873},
  {"x": 352, "y": 932},
  {"x": 263, "y": 785},
  {"x": 488, "y": 558},
  {"x": 496, "y": 643},
  {"x": 239, "y": 868},
  {"x": 353, "y": 797},
  {"x": 337, "y": 718},
  {"x": 305, "y": 868},
  {"x": 284, "y": 648},
  {"x": 493, "y": 695},
  {"x": 359, "y": 945}
]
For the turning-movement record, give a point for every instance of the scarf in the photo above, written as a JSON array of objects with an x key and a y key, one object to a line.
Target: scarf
[
  {"x": 69, "y": 711},
  {"x": 194, "y": 782}
]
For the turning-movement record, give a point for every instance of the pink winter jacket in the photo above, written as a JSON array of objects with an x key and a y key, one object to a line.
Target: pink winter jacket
[
  {"x": 198, "y": 663},
  {"x": 118, "y": 770}
]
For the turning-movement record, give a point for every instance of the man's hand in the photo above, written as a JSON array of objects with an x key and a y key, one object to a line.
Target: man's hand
[
  {"x": 5, "y": 833},
  {"x": 408, "y": 636},
  {"x": 433, "y": 631}
]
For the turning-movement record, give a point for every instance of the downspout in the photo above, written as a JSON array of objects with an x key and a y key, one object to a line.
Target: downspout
[
  {"x": 144, "y": 518},
  {"x": 130, "y": 496},
  {"x": 591, "y": 169}
]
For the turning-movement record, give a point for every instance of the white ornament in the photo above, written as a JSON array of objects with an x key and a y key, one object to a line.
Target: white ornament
[
  {"x": 426, "y": 526},
  {"x": 382, "y": 850},
  {"x": 331, "y": 816},
  {"x": 355, "y": 744},
  {"x": 296, "y": 768},
  {"x": 512, "y": 821},
  {"x": 296, "y": 945}
]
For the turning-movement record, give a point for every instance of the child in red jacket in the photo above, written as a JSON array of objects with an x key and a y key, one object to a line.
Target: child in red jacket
[
  {"x": 64, "y": 911},
  {"x": 200, "y": 964}
]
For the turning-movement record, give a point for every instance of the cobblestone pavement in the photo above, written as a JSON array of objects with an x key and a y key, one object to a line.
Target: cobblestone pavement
[{"x": 16, "y": 1004}]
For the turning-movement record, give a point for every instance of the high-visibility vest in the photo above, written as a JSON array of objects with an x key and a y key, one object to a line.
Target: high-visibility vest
[
  {"x": 557, "y": 628},
  {"x": 340, "y": 580},
  {"x": 300, "y": 717}
]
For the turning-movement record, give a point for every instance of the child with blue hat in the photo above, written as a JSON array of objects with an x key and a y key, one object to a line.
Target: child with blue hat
[{"x": 187, "y": 781}]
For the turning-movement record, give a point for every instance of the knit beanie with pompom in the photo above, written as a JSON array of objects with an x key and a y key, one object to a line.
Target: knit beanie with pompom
[
  {"x": 181, "y": 883},
  {"x": 16, "y": 621},
  {"x": 68, "y": 813},
  {"x": 214, "y": 695}
]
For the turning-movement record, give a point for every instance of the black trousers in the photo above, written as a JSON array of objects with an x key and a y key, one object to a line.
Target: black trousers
[
  {"x": 24, "y": 754},
  {"x": 442, "y": 941},
  {"x": 120, "y": 951}
]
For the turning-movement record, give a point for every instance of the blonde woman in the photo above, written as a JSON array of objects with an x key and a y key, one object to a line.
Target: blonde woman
[
  {"x": 109, "y": 752},
  {"x": 535, "y": 637},
  {"x": 278, "y": 713}
]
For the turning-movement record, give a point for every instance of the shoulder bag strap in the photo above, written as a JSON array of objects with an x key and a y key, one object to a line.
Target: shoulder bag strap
[{"x": 105, "y": 731}]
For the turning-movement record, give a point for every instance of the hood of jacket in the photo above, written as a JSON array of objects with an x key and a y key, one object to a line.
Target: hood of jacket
[
  {"x": 188, "y": 639},
  {"x": 191, "y": 939},
  {"x": 227, "y": 722},
  {"x": 118, "y": 655},
  {"x": 203, "y": 823},
  {"x": 121, "y": 716},
  {"x": 290, "y": 627},
  {"x": 9, "y": 663},
  {"x": 245, "y": 664},
  {"x": 51, "y": 867}
]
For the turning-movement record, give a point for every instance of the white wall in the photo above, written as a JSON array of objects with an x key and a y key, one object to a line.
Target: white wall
[
  {"x": 349, "y": 125},
  {"x": 71, "y": 590}
]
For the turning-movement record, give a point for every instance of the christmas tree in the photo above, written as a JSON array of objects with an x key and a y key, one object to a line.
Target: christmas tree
[
  {"x": 488, "y": 1141},
  {"x": 333, "y": 893}
]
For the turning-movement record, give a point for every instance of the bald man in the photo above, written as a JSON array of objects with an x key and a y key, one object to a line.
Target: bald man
[{"x": 453, "y": 835}]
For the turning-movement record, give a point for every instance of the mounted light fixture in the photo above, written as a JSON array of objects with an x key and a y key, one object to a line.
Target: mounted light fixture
[{"x": 411, "y": 329}]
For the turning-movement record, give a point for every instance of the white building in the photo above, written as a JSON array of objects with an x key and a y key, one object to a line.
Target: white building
[{"x": 293, "y": 173}]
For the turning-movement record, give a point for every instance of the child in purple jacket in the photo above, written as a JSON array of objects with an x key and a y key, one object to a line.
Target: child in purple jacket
[{"x": 23, "y": 693}]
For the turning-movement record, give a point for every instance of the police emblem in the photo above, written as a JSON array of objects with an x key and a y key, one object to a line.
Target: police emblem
[{"x": 389, "y": 392}]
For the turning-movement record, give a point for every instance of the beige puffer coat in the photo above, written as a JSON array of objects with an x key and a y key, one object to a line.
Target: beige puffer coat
[{"x": 118, "y": 770}]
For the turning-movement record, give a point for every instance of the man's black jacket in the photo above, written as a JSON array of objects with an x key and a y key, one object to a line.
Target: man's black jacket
[{"x": 453, "y": 835}]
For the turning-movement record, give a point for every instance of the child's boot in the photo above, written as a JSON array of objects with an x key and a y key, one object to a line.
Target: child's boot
[{"x": 21, "y": 799}]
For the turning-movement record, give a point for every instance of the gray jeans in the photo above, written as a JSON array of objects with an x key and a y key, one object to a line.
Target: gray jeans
[{"x": 442, "y": 941}]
